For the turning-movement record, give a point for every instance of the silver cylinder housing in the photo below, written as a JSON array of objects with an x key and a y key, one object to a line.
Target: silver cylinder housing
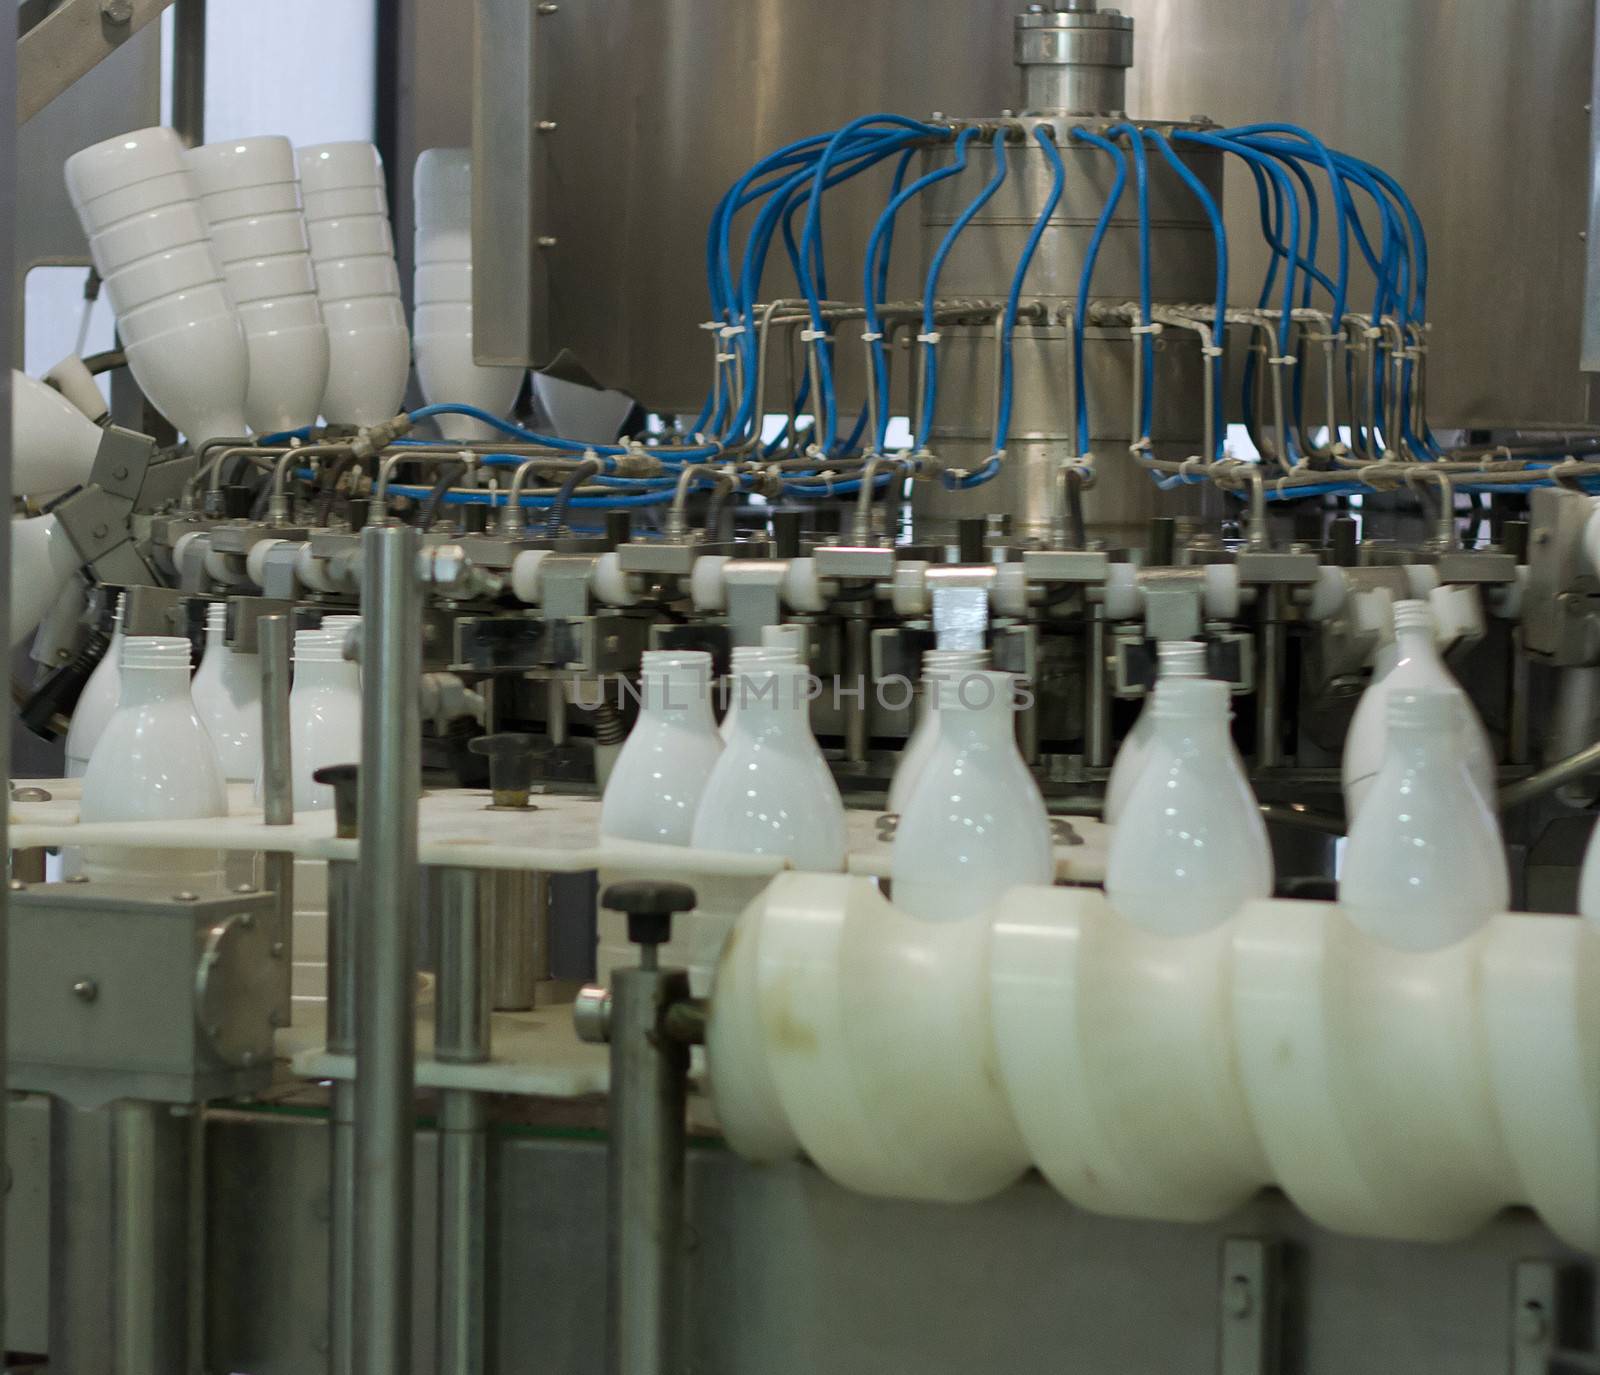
[{"x": 1041, "y": 434}]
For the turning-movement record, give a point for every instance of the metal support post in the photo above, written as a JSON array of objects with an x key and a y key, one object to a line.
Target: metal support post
[
  {"x": 343, "y": 889},
  {"x": 391, "y": 778},
  {"x": 650, "y": 1021},
  {"x": 461, "y": 1036},
  {"x": 120, "y": 1223},
  {"x": 275, "y": 636}
]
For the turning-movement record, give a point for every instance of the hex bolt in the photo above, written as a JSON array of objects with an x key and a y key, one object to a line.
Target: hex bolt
[
  {"x": 186, "y": 896},
  {"x": 117, "y": 11},
  {"x": 86, "y": 990},
  {"x": 1533, "y": 1324},
  {"x": 1238, "y": 1298}
]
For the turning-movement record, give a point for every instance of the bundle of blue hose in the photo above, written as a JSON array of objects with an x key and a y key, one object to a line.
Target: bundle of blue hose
[
  {"x": 1086, "y": 280},
  {"x": 1046, "y": 139},
  {"x": 928, "y": 338}
]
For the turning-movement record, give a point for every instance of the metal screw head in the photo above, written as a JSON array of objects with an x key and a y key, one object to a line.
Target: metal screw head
[
  {"x": 86, "y": 990},
  {"x": 245, "y": 888},
  {"x": 117, "y": 11},
  {"x": 548, "y": 8},
  {"x": 547, "y": 241},
  {"x": 186, "y": 896},
  {"x": 1237, "y": 1298},
  {"x": 101, "y": 531},
  {"x": 76, "y": 878},
  {"x": 18, "y": 886},
  {"x": 1533, "y": 1325},
  {"x": 120, "y": 473}
]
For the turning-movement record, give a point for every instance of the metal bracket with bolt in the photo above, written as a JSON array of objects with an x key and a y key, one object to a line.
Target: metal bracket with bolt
[{"x": 650, "y": 1021}]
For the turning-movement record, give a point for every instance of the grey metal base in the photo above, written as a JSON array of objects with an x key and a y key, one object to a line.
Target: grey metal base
[{"x": 789, "y": 1275}]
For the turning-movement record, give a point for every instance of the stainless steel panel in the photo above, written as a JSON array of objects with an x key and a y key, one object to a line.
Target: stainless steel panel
[
  {"x": 510, "y": 193},
  {"x": 790, "y": 1275},
  {"x": 1477, "y": 105},
  {"x": 662, "y": 105}
]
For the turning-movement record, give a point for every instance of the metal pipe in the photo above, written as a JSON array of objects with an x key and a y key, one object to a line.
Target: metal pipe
[
  {"x": 277, "y": 786},
  {"x": 644, "y": 1217},
  {"x": 343, "y": 896},
  {"x": 1558, "y": 775},
  {"x": 1269, "y": 684},
  {"x": 1097, "y": 700},
  {"x": 189, "y": 71},
  {"x": 857, "y": 663},
  {"x": 461, "y": 1036},
  {"x": 391, "y": 778}
]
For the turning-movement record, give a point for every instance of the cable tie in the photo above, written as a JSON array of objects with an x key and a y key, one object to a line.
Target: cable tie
[
  {"x": 872, "y": 336},
  {"x": 1156, "y": 328},
  {"x": 930, "y": 338},
  {"x": 733, "y": 331},
  {"x": 810, "y": 336},
  {"x": 1287, "y": 361},
  {"x": 1211, "y": 351}
]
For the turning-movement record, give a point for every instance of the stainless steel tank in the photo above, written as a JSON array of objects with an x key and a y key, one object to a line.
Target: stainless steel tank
[
  {"x": 1041, "y": 434},
  {"x": 1072, "y": 64}
]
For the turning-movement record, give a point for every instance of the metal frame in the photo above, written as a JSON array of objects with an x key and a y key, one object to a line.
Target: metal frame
[{"x": 70, "y": 42}]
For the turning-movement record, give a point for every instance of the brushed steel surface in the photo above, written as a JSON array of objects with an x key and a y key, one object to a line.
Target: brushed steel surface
[
  {"x": 981, "y": 265},
  {"x": 790, "y": 1275},
  {"x": 1477, "y": 105}
]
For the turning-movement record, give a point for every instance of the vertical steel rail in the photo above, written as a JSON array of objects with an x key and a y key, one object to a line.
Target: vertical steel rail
[
  {"x": 8, "y": 201},
  {"x": 274, "y": 635},
  {"x": 644, "y": 1222},
  {"x": 189, "y": 71},
  {"x": 461, "y": 1036},
  {"x": 343, "y": 891},
  {"x": 391, "y": 778}
]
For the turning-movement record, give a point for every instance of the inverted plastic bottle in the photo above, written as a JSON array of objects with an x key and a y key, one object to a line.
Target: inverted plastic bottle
[
  {"x": 154, "y": 761},
  {"x": 771, "y": 792},
  {"x": 1425, "y": 866},
  {"x": 1174, "y": 659},
  {"x": 914, "y": 756},
  {"x": 745, "y": 659},
  {"x": 227, "y": 696},
  {"x": 1410, "y": 664},
  {"x": 324, "y": 714},
  {"x": 659, "y": 777},
  {"x": 53, "y": 444},
  {"x": 97, "y": 703},
  {"x": 1190, "y": 848},
  {"x": 975, "y": 824}
]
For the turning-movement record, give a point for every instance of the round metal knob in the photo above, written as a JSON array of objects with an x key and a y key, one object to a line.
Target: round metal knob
[{"x": 649, "y": 905}]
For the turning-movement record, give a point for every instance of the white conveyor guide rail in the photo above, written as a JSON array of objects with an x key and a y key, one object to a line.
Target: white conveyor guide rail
[
  {"x": 1389, "y": 1093},
  {"x": 557, "y": 835}
]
